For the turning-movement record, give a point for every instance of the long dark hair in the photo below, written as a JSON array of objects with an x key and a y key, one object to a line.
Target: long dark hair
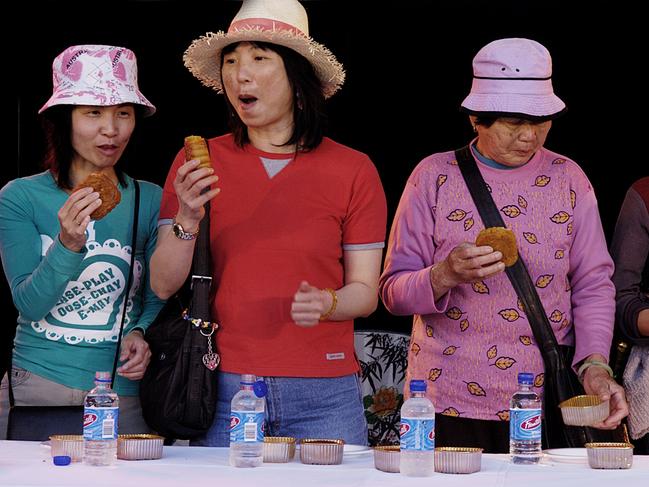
[
  {"x": 57, "y": 126},
  {"x": 308, "y": 100}
]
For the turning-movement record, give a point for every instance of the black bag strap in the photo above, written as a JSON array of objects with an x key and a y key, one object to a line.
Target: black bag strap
[
  {"x": 136, "y": 218},
  {"x": 201, "y": 280},
  {"x": 136, "y": 215}
]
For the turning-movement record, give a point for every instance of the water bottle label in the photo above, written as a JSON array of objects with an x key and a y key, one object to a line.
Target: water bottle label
[
  {"x": 246, "y": 427},
  {"x": 417, "y": 434},
  {"x": 100, "y": 423},
  {"x": 525, "y": 424}
]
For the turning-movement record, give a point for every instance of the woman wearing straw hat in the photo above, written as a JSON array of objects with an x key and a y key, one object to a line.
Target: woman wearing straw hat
[
  {"x": 68, "y": 270},
  {"x": 296, "y": 229},
  {"x": 471, "y": 336}
]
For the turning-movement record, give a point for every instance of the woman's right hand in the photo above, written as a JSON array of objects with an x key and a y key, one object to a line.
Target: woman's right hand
[
  {"x": 74, "y": 217},
  {"x": 464, "y": 264},
  {"x": 189, "y": 184}
]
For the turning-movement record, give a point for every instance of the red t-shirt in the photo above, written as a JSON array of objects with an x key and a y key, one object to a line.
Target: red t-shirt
[{"x": 270, "y": 233}]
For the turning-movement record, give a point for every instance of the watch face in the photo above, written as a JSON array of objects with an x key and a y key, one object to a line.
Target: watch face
[{"x": 180, "y": 232}]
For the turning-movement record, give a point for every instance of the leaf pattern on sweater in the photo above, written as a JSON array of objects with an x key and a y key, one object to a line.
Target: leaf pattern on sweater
[
  {"x": 512, "y": 211},
  {"x": 475, "y": 389},
  {"x": 544, "y": 280},
  {"x": 509, "y": 314},
  {"x": 480, "y": 287},
  {"x": 503, "y": 363},
  {"x": 560, "y": 217}
]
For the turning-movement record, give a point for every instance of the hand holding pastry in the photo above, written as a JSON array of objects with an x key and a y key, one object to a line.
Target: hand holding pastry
[
  {"x": 196, "y": 148},
  {"x": 74, "y": 217},
  {"x": 108, "y": 193},
  {"x": 502, "y": 240},
  {"x": 192, "y": 183}
]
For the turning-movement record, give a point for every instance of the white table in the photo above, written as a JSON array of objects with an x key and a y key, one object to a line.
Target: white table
[{"x": 25, "y": 463}]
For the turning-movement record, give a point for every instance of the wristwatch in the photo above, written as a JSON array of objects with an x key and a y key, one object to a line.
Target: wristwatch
[{"x": 180, "y": 232}]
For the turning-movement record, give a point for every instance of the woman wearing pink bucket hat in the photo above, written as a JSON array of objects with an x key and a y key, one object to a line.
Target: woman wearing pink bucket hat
[
  {"x": 296, "y": 229},
  {"x": 68, "y": 267},
  {"x": 471, "y": 336}
]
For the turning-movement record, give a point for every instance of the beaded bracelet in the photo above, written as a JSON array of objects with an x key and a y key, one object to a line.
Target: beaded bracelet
[
  {"x": 334, "y": 303},
  {"x": 593, "y": 363}
]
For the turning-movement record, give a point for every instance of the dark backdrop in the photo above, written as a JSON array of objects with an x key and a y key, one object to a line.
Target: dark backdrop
[{"x": 408, "y": 68}]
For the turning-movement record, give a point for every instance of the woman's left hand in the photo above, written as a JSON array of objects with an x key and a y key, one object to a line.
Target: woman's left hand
[
  {"x": 309, "y": 303},
  {"x": 598, "y": 382},
  {"x": 135, "y": 354}
]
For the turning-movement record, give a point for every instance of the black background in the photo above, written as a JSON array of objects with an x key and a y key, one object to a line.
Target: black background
[{"x": 408, "y": 68}]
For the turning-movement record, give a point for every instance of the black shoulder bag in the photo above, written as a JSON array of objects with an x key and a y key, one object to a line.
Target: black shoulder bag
[
  {"x": 560, "y": 380},
  {"x": 38, "y": 423},
  {"x": 178, "y": 390}
]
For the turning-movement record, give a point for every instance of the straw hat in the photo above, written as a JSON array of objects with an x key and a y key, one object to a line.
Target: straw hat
[
  {"x": 513, "y": 76},
  {"x": 96, "y": 75},
  {"x": 282, "y": 22}
]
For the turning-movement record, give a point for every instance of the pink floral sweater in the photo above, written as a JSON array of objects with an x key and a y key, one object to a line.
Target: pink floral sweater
[{"x": 471, "y": 343}]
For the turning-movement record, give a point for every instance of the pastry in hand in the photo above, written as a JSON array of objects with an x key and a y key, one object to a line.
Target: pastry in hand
[
  {"x": 196, "y": 148},
  {"x": 108, "y": 193},
  {"x": 502, "y": 240}
]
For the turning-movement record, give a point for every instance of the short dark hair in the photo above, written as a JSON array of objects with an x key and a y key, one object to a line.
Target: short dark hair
[
  {"x": 488, "y": 120},
  {"x": 308, "y": 100},
  {"x": 485, "y": 121},
  {"x": 57, "y": 126}
]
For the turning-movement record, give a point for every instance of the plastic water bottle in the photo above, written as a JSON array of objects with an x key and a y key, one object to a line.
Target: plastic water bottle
[
  {"x": 417, "y": 433},
  {"x": 247, "y": 423},
  {"x": 525, "y": 422},
  {"x": 100, "y": 417}
]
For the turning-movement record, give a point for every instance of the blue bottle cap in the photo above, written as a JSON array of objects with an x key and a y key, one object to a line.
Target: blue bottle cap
[
  {"x": 417, "y": 385},
  {"x": 260, "y": 388},
  {"x": 61, "y": 460},
  {"x": 526, "y": 378}
]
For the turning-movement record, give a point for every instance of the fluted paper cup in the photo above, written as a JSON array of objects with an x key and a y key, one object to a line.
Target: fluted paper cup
[
  {"x": 139, "y": 447},
  {"x": 278, "y": 449},
  {"x": 321, "y": 451},
  {"x": 387, "y": 458},
  {"x": 457, "y": 459},
  {"x": 67, "y": 445},
  {"x": 610, "y": 455},
  {"x": 584, "y": 410}
]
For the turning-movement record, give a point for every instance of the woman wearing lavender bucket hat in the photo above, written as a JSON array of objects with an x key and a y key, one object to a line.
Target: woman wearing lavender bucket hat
[
  {"x": 470, "y": 335},
  {"x": 66, "y": 263}
]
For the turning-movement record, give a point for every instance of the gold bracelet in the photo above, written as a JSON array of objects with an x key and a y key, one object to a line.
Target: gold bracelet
[
  {"x": 592, "y": 363},
  {"x": 334, "y": 303}
]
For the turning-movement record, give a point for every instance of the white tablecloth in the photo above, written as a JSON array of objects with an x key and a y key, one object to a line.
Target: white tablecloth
[{"x": 29, "y": 464}]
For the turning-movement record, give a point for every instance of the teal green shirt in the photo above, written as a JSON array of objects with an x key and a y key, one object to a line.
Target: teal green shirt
[{"x": 70, "y": 303}]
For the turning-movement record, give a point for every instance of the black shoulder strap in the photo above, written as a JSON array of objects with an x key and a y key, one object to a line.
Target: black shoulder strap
[
  {"x": 136, "y": 218},
  {"x": 201, "y": 269}
]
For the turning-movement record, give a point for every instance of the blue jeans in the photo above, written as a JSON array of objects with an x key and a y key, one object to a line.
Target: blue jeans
[{"x": 297, "y": 407}]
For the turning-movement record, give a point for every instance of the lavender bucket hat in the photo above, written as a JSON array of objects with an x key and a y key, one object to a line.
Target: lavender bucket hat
[
  {"x": 96, "y": 75},
  {"x": 513, "y": 77}
]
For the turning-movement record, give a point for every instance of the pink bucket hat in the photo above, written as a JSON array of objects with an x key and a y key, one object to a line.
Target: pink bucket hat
[
  {"x": 96, "y": 75},
  {"x": 513, "y": 76},
  {"x": 282, "y": 22}
]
